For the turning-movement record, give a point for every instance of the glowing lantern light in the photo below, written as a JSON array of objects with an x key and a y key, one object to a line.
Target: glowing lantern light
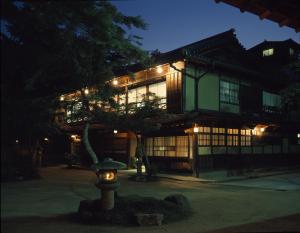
[
  {"x": 115, "y": 82},
  {"x": 107, "y": 181},
  {"x": 86, "y": 91},
  {"x": 46, "y": 139},
  {"x": 159, "y": 69},
  {"x": 62, "y": 98},
  {"x": 196, "y": 129},
  {"x": 108, "y": 176},
  {"x": 115, "y": 131}
]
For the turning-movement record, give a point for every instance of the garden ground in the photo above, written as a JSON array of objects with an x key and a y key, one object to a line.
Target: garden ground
[{"x": 48, "y": 204}]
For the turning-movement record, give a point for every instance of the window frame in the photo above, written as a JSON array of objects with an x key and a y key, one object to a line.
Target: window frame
[
  {"x": 268, "y": 52},
  {"x": 229, "y": 101}
]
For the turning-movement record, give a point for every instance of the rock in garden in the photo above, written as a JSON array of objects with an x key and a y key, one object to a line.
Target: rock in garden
[
  {"x": 149, "y": 219},
  {"x": 179, "y": 200}
]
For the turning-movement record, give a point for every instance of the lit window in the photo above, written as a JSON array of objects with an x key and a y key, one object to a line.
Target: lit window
[
  {"x": 246, "y": 132},
  {"x": 204, "y": 129},
  {"x": 245, "y": 137},
  {"x": 233, "y": 137},
  {"x": 182, "y": 146},
  {"x": 218, "y": 137},
  {"x": 164, "y": 146},
  {"x": 292, "y": 52},
  {"x": 173, "y": 146},
  {"x": 140, "y": 95},
  {"x": 137, "y": 95},
  {"x": 204, "y": 139},
  {"x": 204, "y": 136},
  {"x": 229, "y": 92},
  {"x": 268, "y": 52},
  {"x": 160, "y": 91}
]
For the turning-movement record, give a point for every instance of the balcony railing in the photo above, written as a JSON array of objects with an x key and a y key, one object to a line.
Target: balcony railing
[
  {"x": 271, "y": 109},
  {"x": 75, "y": 117}
]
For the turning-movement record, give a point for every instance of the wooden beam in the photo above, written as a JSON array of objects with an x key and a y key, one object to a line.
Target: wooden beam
[
  {"x": 265, "y": 14},
  {"x": 284, "y": 22}
]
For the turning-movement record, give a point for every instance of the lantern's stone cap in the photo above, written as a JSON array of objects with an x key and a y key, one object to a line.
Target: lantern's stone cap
[{"x": 108, "y": 164}]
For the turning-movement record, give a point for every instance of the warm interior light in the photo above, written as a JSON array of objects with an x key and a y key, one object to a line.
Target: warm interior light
[
  {"x": 75, "y": 138},
  {"x": 109, "y": 176},
  {"x": 115, "y": 82},
  {"x": 196, "y": 129},
  {"x": 159, "y": 69},
  {"x": 46, "y": 139},
  {"x": 62, "y": 98},
  {"x": 262, "y": 130},
  {"x": 298, "y": 135},
  {"x": 115, "y": 131},
  {"x": 86, "y": 91},
  {"x": 17, "y": 141}
]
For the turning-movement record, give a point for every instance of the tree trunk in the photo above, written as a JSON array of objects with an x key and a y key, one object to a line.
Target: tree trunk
[
  {"x": 87, "y": 144},
  {"x": 140, "y": 153}
]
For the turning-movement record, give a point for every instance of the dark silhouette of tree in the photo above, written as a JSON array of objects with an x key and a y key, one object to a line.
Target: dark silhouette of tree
[{"x": 56, "y": 47}]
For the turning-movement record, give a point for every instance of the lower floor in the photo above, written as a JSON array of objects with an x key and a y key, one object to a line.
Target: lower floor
[{"x": 204, "y": 147}]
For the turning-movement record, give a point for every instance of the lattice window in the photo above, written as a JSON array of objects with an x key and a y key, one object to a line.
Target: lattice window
[
  {"x": 229, "y": 92},
  {"x": 232, "y": 137}
]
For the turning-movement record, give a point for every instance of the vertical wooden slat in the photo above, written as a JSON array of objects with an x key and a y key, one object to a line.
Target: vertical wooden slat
[{"x": 174, "y": 93}]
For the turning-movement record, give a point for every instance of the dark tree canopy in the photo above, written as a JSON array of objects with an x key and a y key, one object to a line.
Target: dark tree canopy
[{"x": 54, "y": 47}]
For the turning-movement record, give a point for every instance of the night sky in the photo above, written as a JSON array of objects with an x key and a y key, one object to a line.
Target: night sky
[{"x": 175, "y": 23}]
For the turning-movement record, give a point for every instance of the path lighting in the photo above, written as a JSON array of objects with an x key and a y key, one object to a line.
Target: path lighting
[
  {"x": 106, "y": 172},
  {"x": 115, "y": 82},
  {"x": 159, "y": 69},
  {"x": 196, "y": 129},
  {"x": 86, "y": 91},
  {"x": 17, "y": 141},
  {"x": 115, "y": 131},
  {"x": 62, "y": 98},
  {"x": 46, "y": 139}
]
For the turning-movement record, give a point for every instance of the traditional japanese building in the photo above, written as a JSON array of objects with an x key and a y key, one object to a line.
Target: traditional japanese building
[{"x": 226, "y": 107}]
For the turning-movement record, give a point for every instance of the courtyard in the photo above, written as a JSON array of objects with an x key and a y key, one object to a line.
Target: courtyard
[{"x": 49, "y": 204}]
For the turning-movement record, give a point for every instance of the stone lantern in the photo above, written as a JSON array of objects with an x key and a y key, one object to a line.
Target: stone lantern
[{"x": 107, "y": 181}]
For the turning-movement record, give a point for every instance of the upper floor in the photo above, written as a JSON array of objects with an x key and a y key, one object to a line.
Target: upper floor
[
  {"x": 276, "y": 52},
  {"x": 214, "y": 74}
]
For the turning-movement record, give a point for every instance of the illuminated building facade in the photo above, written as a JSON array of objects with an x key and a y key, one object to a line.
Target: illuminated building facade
[{"x": 226, "y": 105}]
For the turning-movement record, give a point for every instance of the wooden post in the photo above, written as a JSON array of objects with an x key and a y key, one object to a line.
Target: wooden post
[{"x": 195, "y": 155}]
